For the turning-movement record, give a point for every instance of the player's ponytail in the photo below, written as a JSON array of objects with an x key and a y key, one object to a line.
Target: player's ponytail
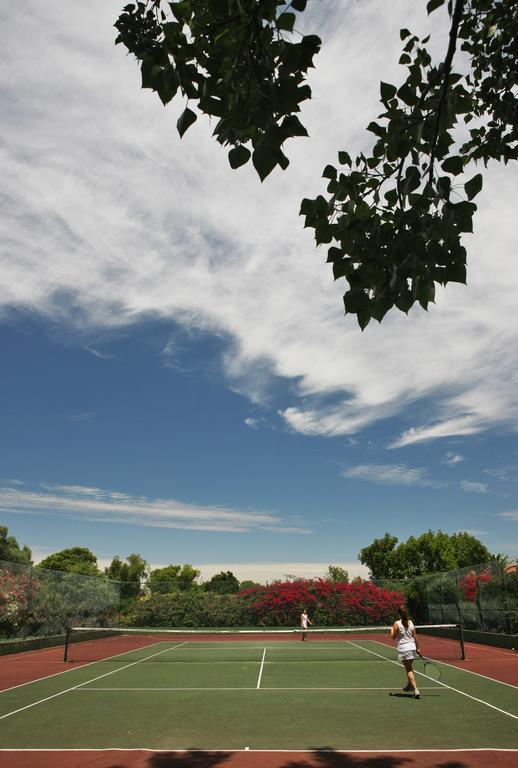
[{"x": 403, "y": 615}]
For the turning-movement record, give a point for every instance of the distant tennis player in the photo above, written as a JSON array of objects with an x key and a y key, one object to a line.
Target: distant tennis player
[
  {"x": 407, "y": 647},
  {"x": 304, "y": 621}
]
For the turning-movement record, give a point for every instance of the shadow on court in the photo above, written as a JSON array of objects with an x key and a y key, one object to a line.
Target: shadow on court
[
  {"x": 317, "y": 758},
  {"x": 326, "y": 758},
  {"x": 188, "y": 759}
]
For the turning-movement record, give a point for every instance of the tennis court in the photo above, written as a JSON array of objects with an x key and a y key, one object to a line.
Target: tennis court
[{"x": 260, "y": 691}]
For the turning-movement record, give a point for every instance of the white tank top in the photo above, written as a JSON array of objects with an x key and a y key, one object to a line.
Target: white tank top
[{"x": 405, "y": 641}]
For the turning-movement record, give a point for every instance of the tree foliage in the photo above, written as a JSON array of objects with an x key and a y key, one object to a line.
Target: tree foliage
[
  {"x": 72, "y": 560},
  {"x": 394, "y": 217},
  {"x": 223, "y": 583},
  {"x": 172, "y": 578},
  {"x": 431, "y": 552},
  {"x": 131, "y": 573},
  {"x": 10, "y": 550},
  {"x": 233, "y": 59},
  {"x": 336, "y": 573}
]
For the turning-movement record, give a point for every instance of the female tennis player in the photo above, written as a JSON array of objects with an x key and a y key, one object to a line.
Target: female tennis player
[
  {"x": 407, "y": 647},
  {"x": 304, "y": 621}
]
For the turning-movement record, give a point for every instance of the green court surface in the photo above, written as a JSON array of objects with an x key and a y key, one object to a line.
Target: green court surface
[{"x": 288, "y": 695}]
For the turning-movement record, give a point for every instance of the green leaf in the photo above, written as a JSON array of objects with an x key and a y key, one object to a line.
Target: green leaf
[
  {"x": 379, "y": 130},
  {"x": 286, "y": 21},
  {"x": 362, "y": 211},
  {"x": 344, "y": 158},
  {"x": 212, "y": 106},
  {"x": 238, "y": 156},
  {"x": 356, "y": 300},
  {"x": 182, "y": 11},
  {"x": 433, "y": 4},
  {"x": 404, "y": 301},
  {"x": 307, "y": 207},
  {"x": 404, "y": 33},
  {"x": 387, "y": 91},
  {"x": 186, "y": 119},
  {"x": 329, "y": 172},
  {"x": 455, "y": 273},
  {"x": 453, "y": 165},
  {"x": 363, "y": 317},
  {"x": 264, "y": 160},
  {"x": 473, "y": 186},
  {"x": 299, "y": 5}
]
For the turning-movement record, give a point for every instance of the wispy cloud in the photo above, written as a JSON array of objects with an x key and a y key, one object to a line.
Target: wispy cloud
[
  {"x": 211, "y": 249},
  {"x": 104, "y": 506},
  {"x": 99, "y": 354},
  {"x": 507, "y": 474},
  {"x": 511, "y": 515},
  {"x": 250, "y": 422},
  {"x": 84, "y": 416},
  {"x": 473, "y": 487},
  {"x": 464, "y": 425},
  {"x": 390, "y": 474},
  {"x": 451, "y": 459}
]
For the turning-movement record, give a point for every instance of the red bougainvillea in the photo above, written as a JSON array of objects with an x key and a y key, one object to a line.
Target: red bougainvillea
[
  {"x": 470, "y": 584},
  {"x": 328, "y": 603}
]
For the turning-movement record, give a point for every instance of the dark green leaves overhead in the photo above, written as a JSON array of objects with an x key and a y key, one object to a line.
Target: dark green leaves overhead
[
  {"x": 234, "y": 60},
  {"x": 393, "y": 218},
  {"x": 473, "y": 186},
  {"x": 186, "y": 119},
  {"x": 238, "y": 156}
]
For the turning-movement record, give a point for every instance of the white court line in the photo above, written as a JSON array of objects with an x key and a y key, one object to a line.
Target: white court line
[
  {"x": 243, "y": 688},
  {"x": 266, "y": 751},
  {"x": 99, "y": 677},
  {"x": 463, "y": 693},
  {"x": 73, "y": 669},
  {"x": 469, "y": 671},
  {"x": 261, "y": 670}
]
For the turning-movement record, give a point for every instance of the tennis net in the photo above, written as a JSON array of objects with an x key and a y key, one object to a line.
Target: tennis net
[{"x": 127, "y": 645}]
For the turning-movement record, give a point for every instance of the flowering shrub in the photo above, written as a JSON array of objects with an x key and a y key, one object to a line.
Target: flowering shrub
[
  {"x": 328, "y": 602},
  {"x": 470, "y": 584},
  {"x": 187, "y": 609},
  {"x": 16, "y": 592}
]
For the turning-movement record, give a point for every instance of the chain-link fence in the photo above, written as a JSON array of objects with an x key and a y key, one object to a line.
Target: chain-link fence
[
  {"x": 38, "y": 602},
  {"x": 35, "y": 602},
  {"x": 482, "y": 597}
]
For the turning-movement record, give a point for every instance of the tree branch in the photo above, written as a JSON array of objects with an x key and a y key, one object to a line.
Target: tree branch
[{"x": 446, "y": 69}]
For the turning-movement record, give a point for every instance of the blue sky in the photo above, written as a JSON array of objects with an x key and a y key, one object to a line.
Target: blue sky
[{"x": 178, "y": 378}]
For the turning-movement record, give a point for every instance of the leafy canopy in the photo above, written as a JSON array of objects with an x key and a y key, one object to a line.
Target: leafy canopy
[
  {"x": 10, "y": 550},
  {"x": 224, "y": 583},
  {"x": 72, "y": 560},
  {"x": 394, "y": 217},
  {"x": 432, "y": 552}
]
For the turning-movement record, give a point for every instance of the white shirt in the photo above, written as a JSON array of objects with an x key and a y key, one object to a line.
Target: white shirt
[
  {"x": 304, "y": 621},
  {"x": 405, "y": 639}
]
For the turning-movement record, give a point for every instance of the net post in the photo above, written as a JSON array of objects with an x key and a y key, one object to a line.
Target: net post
[
  {"x": 67, "y": 643},
  {"x": 461, "y": 639}
]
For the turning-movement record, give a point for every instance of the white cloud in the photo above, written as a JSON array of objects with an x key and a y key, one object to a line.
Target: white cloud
[
  {"x": 472, "y": 487},
  {"x": 110, "y": 220},
  {"x": 453, "y": 458},
  {"x": 99, "y": 354},
  {"x": 250, "y": 422},
  {"x": 511, "y": 515},
  {"x": 103, "y": 506},
  {"x": 389, "y": 474}
]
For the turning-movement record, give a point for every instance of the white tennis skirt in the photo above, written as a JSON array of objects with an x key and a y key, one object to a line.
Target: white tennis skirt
[{"x": 407, "y": 655}]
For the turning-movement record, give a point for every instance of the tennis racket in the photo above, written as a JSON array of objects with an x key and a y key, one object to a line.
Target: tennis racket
[{"x": 431, "y": 669}]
